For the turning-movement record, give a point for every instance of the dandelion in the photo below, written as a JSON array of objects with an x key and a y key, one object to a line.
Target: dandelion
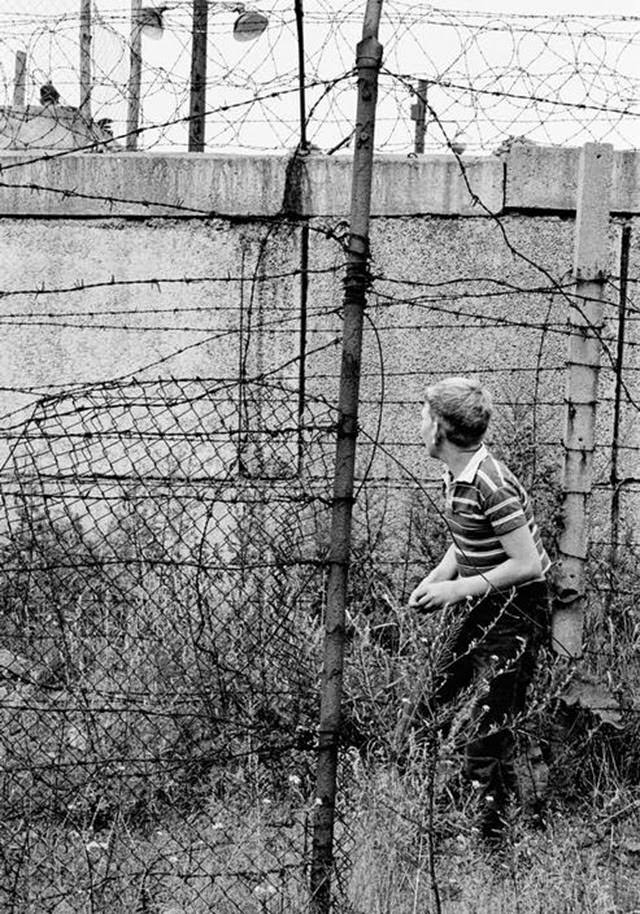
[
  {"x": 295, "y": 780},
  {"x": 96, "y": 846}
]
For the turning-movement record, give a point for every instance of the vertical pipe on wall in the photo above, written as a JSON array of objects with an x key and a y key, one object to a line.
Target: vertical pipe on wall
[
  {"x": 591, "y": 263},
  {"x": 368, "y": 60},
  {"x": 302, "y": 363},
  {"x": 304, "y": 238}
]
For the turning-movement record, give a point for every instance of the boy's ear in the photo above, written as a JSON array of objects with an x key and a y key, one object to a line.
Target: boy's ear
[{"x": 439, "y": 436}]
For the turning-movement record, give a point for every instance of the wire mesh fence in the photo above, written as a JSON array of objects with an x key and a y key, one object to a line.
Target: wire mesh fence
[
  {"x": 485, "y": 80},
  {"x": 161, "y": 589}
]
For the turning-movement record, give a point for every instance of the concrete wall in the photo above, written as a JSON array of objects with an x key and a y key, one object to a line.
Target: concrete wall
[{"x": 188, "y": 266}]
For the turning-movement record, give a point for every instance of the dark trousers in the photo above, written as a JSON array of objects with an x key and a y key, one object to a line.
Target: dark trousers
[{"x": 495, "y": 648}]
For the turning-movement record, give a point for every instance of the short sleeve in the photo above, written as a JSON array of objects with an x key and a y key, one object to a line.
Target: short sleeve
[{"x": 504, "y": 510}]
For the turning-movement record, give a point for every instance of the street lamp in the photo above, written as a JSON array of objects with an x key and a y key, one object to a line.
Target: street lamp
[{"x": 248, "y": 26}]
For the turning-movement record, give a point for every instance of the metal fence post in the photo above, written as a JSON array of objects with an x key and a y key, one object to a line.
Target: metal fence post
[
  {"x": 591, "y": 263},
  {"x": 369, "y": 56}
]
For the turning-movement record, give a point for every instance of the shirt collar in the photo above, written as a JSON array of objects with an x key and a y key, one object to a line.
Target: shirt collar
[{"x": 468, "y": 472}]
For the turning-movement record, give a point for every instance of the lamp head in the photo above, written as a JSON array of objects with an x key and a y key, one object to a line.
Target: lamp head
[
  {"x": 249, "y": 25},
  {"x": 151, "y": 22}
]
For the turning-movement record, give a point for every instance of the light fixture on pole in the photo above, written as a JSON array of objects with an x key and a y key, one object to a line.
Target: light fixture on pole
[
  {"x": 249, "y": 25},
  {"x": 152, "y": 22}
]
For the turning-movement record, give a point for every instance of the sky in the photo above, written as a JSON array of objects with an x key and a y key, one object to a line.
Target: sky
[{"x": 496, "y": 69}]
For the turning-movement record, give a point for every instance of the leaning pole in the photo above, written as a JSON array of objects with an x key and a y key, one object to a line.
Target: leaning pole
[{"x": 368, "y": 60}]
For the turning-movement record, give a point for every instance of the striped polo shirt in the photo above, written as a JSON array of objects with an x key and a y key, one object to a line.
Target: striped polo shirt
[{"x": 484, "y": 502}]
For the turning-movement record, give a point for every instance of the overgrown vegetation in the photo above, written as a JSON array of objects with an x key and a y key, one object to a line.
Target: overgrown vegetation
[
  {"x": 159, "y": 717},
  {"x": 155, "y": 705}
]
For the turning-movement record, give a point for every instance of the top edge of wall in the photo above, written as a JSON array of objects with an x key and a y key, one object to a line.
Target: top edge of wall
[{"x": 213, "y": 184}]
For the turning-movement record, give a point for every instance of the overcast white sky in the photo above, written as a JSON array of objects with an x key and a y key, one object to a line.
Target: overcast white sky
[{"x": 494, "y": 47}]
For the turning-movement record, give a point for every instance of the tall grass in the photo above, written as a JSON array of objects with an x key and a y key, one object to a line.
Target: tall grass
[{"x": 158, "y": 726}]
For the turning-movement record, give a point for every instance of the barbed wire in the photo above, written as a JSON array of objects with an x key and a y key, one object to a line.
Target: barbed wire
[{"x": 491, "y": 77}]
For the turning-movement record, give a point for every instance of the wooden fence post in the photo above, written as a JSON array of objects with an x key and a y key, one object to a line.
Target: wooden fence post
[
  {"x": 591, "y": 263},
  {"x": 198, "y": 91},
  {"x": 135, "y": 77},
  {"x": 85, "y": 60},
  {"x": 419, "y": 115},
  {"x": 19, "y": 85}
]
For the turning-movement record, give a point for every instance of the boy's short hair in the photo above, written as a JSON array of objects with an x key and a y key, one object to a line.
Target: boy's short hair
[{"x": 463, "y": 408}]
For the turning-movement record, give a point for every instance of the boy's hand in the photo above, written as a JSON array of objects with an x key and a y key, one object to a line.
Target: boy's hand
[{"x": 432, "y": 595}]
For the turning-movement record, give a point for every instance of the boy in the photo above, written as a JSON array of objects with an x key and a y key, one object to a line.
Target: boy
[{"x": 497, "y": 564}]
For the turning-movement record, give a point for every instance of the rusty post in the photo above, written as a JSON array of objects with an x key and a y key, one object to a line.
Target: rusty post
[{"x": 368, "y": 60}]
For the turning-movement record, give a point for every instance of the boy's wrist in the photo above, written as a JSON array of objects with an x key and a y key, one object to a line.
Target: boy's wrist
[
  {"x": 460, "y": 589},
  {"x": 468, "y": 588}
]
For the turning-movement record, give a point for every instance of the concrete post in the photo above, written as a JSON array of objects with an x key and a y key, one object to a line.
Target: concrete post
[{"x": 591, "y": 264}]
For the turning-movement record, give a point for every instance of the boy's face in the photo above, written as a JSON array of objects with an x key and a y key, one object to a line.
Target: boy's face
[{"x": 428, "y": 431}]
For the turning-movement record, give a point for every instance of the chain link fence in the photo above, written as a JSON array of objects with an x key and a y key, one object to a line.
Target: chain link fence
[{"x": 161, "y": 593}]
